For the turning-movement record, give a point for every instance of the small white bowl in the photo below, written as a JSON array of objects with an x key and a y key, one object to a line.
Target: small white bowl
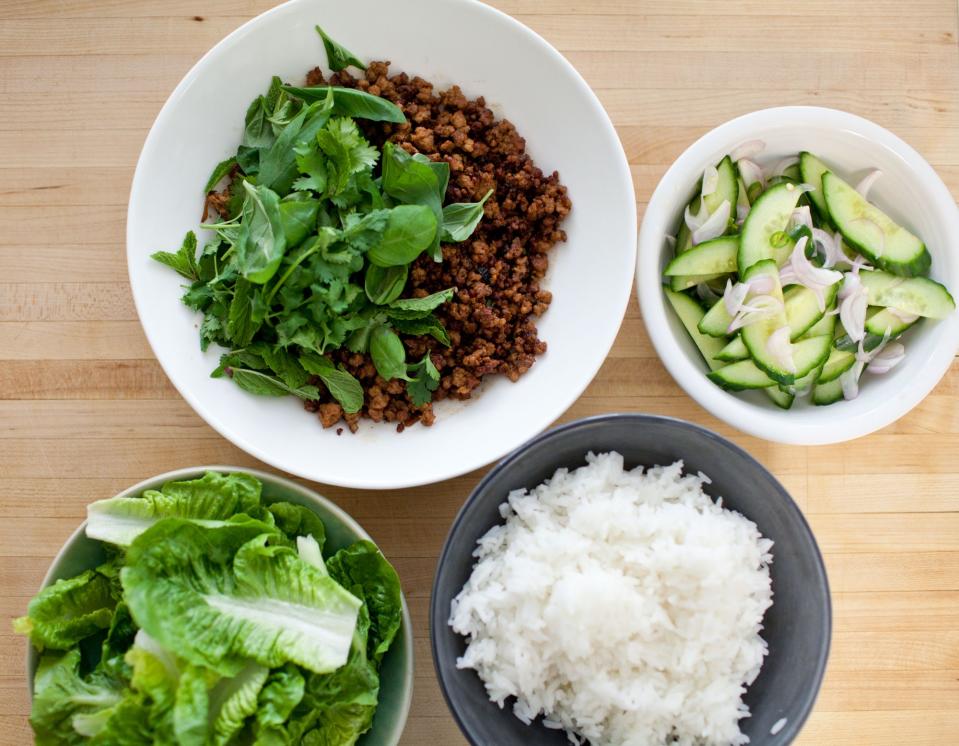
[
  {"x": 909, "y": 190},
  {"x": 525, "y": 80}
]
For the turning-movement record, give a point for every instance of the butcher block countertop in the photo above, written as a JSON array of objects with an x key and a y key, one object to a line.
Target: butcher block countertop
[{"x": 85, "y": 410}]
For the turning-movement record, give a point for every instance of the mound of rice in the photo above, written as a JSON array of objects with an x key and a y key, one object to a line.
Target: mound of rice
[{"x": 625, "y": 607}]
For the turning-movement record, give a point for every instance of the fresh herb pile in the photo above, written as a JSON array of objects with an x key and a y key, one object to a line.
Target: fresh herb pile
[
  {"x": 216, "y": 620},
  {"x": 314, "y": 251}
]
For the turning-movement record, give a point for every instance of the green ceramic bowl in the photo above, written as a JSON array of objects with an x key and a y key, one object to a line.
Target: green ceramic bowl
[{"x": 396, "y": 675}]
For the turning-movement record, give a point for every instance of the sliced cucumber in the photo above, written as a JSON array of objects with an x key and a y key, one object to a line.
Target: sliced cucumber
[
  {"x": 756, "y": 335},
  {"x": 680, "y": 283},
  {"x": 804, "y": 384},
  {"x": 716, "y": 321},
  {"x": 827, "y": 393},
  {"x": 808, "y": 354},
  {"x": 802, "y": 308},
  {"x": 780, "y": 398},
  {"x": 916, "y": 295},
  {"x": 727, "y": 189},
  {"x": 742, "y": 198},
  {"x": 861, "y": 223},
  {"x": 764, "y": 231},
  {"x": 734, "y": 351},
  {"x": 690, "y": 313},
  {"x": 741, "y": 376},
  {"x": 811, "y": 169},
  {"x": 825, "y": 325},
  {"x": 882, "y": 321},
  {"x": 839, "y": 362},
  {"x": 710, "y": 259},
  {"x": 793, "y": 172}
]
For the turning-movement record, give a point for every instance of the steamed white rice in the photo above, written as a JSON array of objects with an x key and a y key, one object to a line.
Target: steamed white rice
[{"x": 625, "y": 607}]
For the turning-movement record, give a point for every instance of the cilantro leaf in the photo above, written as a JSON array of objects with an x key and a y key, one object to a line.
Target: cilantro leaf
[
  {"x": 347, "y": 150},
  {"x": 424, "y": 380}
]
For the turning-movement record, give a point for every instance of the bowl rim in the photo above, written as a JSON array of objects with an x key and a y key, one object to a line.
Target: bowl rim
[
  {"x": 370, "y": 479},
  {"x": 744, "y": 415},
  {"x": 266, "y": 478},
  {"x": 821, "y": 580}
]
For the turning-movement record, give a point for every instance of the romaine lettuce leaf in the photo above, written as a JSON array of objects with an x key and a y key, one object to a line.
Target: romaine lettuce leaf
[
  {"x": 365, "y": 572},
  {"x": 210, "y": 500},
  {"x": 218, "y": 596},
  {"x": 64, "y": 613}
]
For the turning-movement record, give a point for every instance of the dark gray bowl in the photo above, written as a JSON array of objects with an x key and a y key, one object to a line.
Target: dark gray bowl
[{"x": 797, "y": 627}]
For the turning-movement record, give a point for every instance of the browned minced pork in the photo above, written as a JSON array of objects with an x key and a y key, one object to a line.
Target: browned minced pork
[{"x": 491, "y": 319}]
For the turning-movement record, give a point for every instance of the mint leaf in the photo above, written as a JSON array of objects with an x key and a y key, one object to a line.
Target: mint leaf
[
  {"x": 184, "y": 260},
  {"x": 417, "y": 308},
  {"x": 264, "y": 385},
  {"x": 421, "y": 327},
  {"x": 219, "y": 171},
  {"x": 342, "y": 386}
]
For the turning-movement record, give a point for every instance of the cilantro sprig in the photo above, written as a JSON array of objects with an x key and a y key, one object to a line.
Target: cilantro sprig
[{"x": 313, "y": 254}]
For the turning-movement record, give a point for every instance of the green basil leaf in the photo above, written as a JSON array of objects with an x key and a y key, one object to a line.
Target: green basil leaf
[
  {"x": 278, "y": 164},
  {"x": 240, "y": 325},
  {"x": 184, "y": 260},
  {"x": 413, "y": 182},
  {"x": 385, "y": 284},
  {"x": 349, "y": 102},
  {"x": 338, "y": 56},
  {"x": 440, "y": 168},
  {"x": 248, "y": 159},
  {"x": 298, "y": 213},
  {"x": 409, "y": 230},
  {"x": 421, "y": 327},
  {"x": 424, "y": 381},
  {"x": 388, "y": 353},
  {"x": 342, "y": 386},
  {"x": 258, "y": 256},
  {"x": 264, "y": 385},
  {"x": 461, "y": 218},
  {"x": 417, "y": 308},
  {"x": 222, "y": 169}
]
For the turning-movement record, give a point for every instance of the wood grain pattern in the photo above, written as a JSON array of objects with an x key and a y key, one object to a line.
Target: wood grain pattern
[{"x": 85, "y": 410}]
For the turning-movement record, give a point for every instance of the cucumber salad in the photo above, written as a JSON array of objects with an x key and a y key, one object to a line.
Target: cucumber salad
[{"x": 789, "y": 280}]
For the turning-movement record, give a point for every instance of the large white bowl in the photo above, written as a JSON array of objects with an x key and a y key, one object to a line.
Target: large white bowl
[
  {"x": 447, "y": 41},
  {"x": 909, "y": 190}
]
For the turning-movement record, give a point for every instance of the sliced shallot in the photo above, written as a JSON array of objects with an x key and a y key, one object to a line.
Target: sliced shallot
[
  {"x": 741, "y": 212},
  {"x": 780, "y": 349},
  {"x": 802, "y": 216},
  {"x": 868, "y": 180},
  {"x": 710, "y": 180},
  {"x": 903, "y": 316},
  {"x": 748, "y": 149},
  {"x": 803, "y": 272},
  {"x": 783, "y": 164},
  {"x": 758, "y": 308},
  {"x": 714, "y": 226},
  {"x": 735, "y": 296},
  {"x": 831, "y": 252},
  {"x": 852, "y": 313},
  {"x": 887, "y": 358},
  {"x": 750, "y": 172}
]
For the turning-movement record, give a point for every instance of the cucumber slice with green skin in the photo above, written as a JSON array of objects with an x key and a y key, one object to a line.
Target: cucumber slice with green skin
[
  {"x": 869, "y": 343},
  {"x": 742, "y": 198},
  {"x": 679, "y": 284},
  {"x": 883, "y": 321},
  {"x": 827, "y": 393},
  {"x": 734, "y": 351},
  {"x": 716, "y": 321},
  {"x": 839, "y": 362},
  {"x": 793, "y": 172},
  {"x": 811, "y": 170},
  {"x": 690, "y": 313},
  {"x": 804, "y": 384},
  {"x": 727, "y": 188},
  {"x": 781, "y": 399},
  {"x": 802, "y": 310},
  {"x": 764, "y": 231},
  {"x": 808, "y": 354},
  {"x": 917, "y": 295},
  {"x": 825, "y": 325},
  {"x": 684, "y": 239},
  {"x": 756, "y": 335},
  {"x": 710, "y": 258},
  {"x": 896, "y": 250}
]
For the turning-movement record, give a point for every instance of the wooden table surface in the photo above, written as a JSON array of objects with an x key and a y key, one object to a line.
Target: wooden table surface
[{"x": 85, "y": 409}]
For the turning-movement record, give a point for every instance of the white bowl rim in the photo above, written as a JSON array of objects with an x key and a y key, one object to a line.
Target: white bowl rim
[
  {"x": 266, "y": 478},
  {"x": 745, "y": 416},
  {"x": 477, "y": 457}
]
